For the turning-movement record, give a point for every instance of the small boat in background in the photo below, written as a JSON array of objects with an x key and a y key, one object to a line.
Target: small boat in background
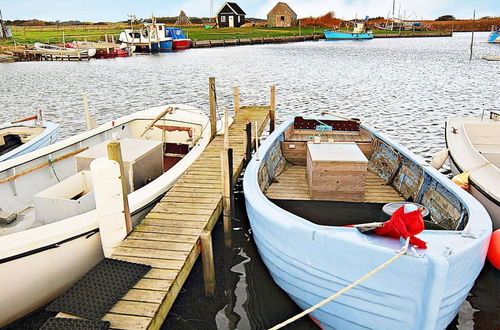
[
  {"x": 314, "y": 179},
  {"x": 57, "y": 51},
  {"x": 179, "y": 40},
  {"x": 151, "y": 38},
  {"x": 359, "y": 32},
  {"x": 494, "y": 36},
  {"x": 103, "y": 49},
  {"x": 474, "y": 147},
  {"x": 25, "y": 135}
]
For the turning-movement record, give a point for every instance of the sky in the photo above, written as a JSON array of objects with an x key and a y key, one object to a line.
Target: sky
[{"x": 117, "y": 10}]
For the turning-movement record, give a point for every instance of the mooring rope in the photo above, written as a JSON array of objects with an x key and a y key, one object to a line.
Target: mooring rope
[{"x": 350, "y": 286}]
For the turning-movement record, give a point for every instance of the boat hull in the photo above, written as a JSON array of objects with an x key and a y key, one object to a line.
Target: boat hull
[
  {"x": 164, "y": 46},
  {"x": 494, "y": 37},
  {"x": 47, "y": 137},
  {"x": 419, "y": 291},
  {"x": 50, "y": 258},
  {"x": 181, "y": 43},
  {"x": 333, "y": 35}
]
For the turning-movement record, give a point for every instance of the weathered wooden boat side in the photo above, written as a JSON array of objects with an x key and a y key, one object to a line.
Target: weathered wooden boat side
[
  {"x": 38, "y": 135},
  {"x": 422, "y": 290}
]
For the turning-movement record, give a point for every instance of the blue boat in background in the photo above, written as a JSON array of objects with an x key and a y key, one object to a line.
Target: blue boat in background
[
  {"x": 179, "y": 40},
  {"x": 311, "y": 253},
  {"x": 494, "y": 36},
  {"x": 359, "y": 32},
  {"x": 149, "y": 39},
  {"x": 25, "y": 135}
]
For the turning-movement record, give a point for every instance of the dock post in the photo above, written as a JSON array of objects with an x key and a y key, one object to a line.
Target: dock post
[
  {"x": 115, "y": 153},
  {"x": 207, "y": 258},
  {"x": 213, "y": 119},
  {"x": 236, "y": 93},
  {"x": 248, "y": 141},
  {"x": 272, "y": 109},
  {"x": 226, "y": 184}
]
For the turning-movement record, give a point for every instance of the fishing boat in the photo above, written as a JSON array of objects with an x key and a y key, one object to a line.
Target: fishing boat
[
  {"x": 24, "y": 135},
  {"x": 49, "y": 235},
  {"x": 61, "y": 52},
  {"x": 359, "y": 32},
  {"x": 151, "y": 38},
  {"x": 103, "y": 49},
  {"x": 494, "y": 36},
  {"x": 314, "y": 180},
  {"x": 474, "y": 147},
  {"x": 179, "y": 40}
]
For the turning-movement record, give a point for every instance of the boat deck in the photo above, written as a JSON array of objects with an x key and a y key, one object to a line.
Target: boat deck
[
  {"x": 168, "y": 238},
  {"x": 292, "y": 184}
]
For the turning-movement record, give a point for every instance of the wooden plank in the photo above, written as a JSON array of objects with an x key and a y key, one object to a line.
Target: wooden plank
[
  {"x": 163, "y": 237},
  {"x": 144, "y": 295},
  {"x": 160, "y": 245},
  {"x": 127, "y": 322},
  {"x": 150, "y": 253},
  {"x": 137, "y": 308}
]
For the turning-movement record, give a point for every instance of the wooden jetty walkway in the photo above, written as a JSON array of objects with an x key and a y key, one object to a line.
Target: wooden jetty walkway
[{"x": 173, "y": 234}]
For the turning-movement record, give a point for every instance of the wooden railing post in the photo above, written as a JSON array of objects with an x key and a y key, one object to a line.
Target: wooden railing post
[
  {"x": 248, "y": 141},
  {"x": 236, "y": 93},
  {"x": 207, "y": 258},
  {"x": 272, "y": 109},
  {"x": 115, "y": 153},
  {"x": 213, "y": 119},
  {"x": 226, "y": 184}
]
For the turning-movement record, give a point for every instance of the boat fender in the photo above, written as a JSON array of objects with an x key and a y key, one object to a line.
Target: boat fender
[
  {"x": 108, "y": 195},
  {"x": 439, "y": 158},
  {"x": 494, "y": 249}
]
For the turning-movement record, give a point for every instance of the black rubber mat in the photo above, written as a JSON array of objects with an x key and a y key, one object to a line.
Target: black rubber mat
[
  {"x": 96, "y": 292},
  {"x": 60, "y": 323}
]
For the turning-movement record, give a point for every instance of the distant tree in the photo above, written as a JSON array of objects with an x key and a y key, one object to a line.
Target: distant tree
[{"x": 446, "y": 18}]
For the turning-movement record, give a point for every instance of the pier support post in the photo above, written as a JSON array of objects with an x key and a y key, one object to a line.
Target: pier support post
[
  {"x": 207, "y": 258},
  {"x": 272, "y": 109},
  {"x": 248, "y": 141},
  {"x": 236, "y": 93},
  {"x": 211, "y": 96},
  {"x": 115, "y": 153},
  {"x": 226, "y": 171}
]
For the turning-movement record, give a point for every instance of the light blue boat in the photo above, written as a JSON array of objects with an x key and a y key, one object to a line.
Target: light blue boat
[
  {"x": 311, "y": 254},
  {"x": 494, "y": 36},
  {"x": 19, "y": 138},
  {"x": 359, "y": 32}
]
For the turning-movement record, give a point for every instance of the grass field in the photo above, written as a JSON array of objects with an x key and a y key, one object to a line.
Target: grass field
[{"x": 54, "y": 34}]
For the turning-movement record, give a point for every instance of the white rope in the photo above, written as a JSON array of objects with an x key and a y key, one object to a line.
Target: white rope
[{"x": 350, "y": 286}]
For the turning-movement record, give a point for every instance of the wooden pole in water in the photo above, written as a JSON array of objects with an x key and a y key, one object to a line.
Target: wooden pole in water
[
  {"x": 236, "y": 93},
  {"x": 207, "y": 258},
  {"x": 211, "y": 96},
  {"x": 272, "y": 109},
  {"x": 115, "y": 153},
  {"x": 248, "y": 141},
  {"x": 226, "y": 184},
  {"x": 472, "y": 37}
]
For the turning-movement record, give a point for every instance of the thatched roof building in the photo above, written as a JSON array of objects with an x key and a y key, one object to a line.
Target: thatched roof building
[
  {"x": 281, "y": 16},
  {"x": 182, "y": 19}
]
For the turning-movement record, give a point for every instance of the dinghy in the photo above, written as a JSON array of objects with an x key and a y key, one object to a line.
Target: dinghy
[
  {"x": 313, "y": 177},
  {"x": 22, "y": 136},
  {"x": 49, "y": 235},
  {"x": 359, "y": 32},
  {"x": 474, "y": 147},
  {"x": 61, "y": 52}
]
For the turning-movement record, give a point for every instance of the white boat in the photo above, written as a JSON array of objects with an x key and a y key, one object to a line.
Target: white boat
[
  {"x": 150, "y": 38},
  {"x": 312, "y": 177},
  {"x": 22, "y": 136},
  {"x": 62, "y": 52},
  {"x": 474, "y": 144},
  {"x": 54, "y": 238}
]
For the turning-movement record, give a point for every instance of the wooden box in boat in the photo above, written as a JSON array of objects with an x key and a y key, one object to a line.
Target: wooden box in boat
[
  {"x": 336, "y": 171},
  {"x": 142, "y": 160}
]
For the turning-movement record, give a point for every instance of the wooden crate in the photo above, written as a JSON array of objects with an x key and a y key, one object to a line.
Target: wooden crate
[{"x": 336, "y": 172}]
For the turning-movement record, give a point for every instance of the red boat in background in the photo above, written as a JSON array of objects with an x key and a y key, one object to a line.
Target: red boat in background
[
  {"x": 112, "y": 53},
  {"x": 103, "y": 49},
  {"x": 179, "y": 40}
]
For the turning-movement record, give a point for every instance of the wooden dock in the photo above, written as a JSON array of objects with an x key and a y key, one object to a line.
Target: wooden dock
[{"x": 169, "y": 238}]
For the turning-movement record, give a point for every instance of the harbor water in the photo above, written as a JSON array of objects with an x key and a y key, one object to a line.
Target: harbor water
[{"x": 403, "y": 87}]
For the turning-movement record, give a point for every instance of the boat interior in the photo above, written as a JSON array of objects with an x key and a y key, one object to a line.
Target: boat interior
[
  {"x": 58, "y": 185},
  {"x": 336, "y": 173},
  {"x": 15, "y": 136},
  {"x": 486, "y": 140}
]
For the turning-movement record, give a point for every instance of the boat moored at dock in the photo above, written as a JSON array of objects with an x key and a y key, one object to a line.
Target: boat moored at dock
[
  {"x": 25, "y": 135},
  {"x": 151, "y": 38},
  {"x": 314, "y": 176},
  {"x": 474, "y": 147},
  {"x": 494, "y": 36},
  {"x": 49, "y": 234},
  {"x": 359, "y": 32},
  {"x": 179, "y": 40},
  {"x": 61, "y": 52}
]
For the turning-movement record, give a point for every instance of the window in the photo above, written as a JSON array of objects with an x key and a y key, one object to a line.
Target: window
[
  {"x": 223, "y": 19},
  {"x": 282, "y": 18}
]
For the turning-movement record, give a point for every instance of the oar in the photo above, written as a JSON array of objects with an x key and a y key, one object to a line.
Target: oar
[{"x": 164, "y": 112}]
